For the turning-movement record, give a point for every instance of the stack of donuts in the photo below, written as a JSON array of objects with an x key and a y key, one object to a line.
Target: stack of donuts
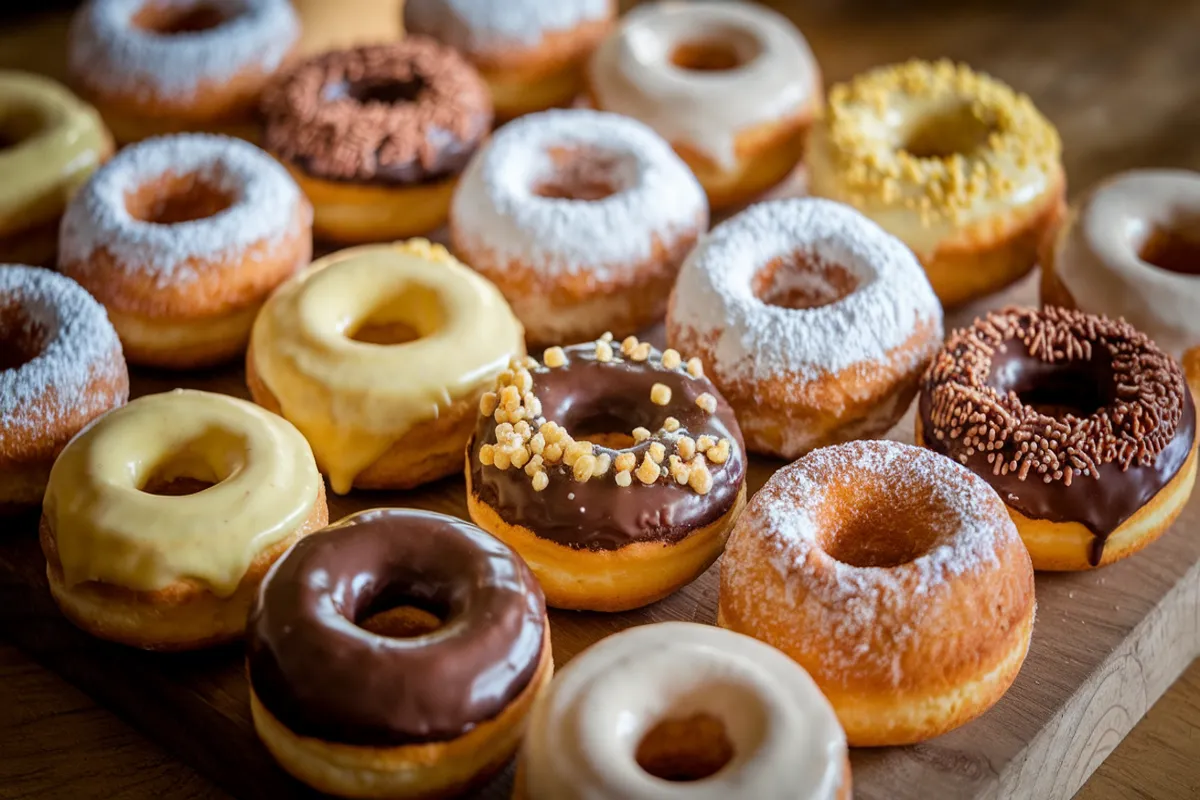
[{"x": 871, "y": 593}]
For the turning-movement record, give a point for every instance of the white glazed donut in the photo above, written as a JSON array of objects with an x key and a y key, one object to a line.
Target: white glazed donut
[
  {"x": 676, "y": 696},
  {"x": 813, "y": 322},
  {"x": 582, "y": 219}
]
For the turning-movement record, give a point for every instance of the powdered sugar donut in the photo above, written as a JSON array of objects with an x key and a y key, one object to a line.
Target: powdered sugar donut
[
  {"x": 582, "y": 219},
  {"x": 894, "y": 576},
  {"x": 163, "y": 66},
  {"x": 60, "y": 368},
  {"x": 814, "y": 323},
  {"x": 182, "y": 238}
]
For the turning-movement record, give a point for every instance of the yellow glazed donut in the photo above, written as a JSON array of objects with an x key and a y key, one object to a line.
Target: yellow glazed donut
[
  {"x": 959, "y": 166},
  {"x": 137, "y": 552},
  {"x": 50, "y": 141},
  {"x": 379, "y": 355}
]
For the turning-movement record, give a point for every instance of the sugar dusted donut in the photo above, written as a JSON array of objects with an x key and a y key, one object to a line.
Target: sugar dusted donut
[
  {"x": 679, "y": 709},
  {"x": 531, "y": 52},
  {"x": 732, "y": 86},
  {"x": 894, "y": 577},
  {"x": 1085, "y": 428},
  {"x": 60, "y": 368},
  {"x": 957, "y": 165},
  {"x": 582, "y": 219},
  {"x": 154, "y": 67},
  {"x": 814, "y": 323}
]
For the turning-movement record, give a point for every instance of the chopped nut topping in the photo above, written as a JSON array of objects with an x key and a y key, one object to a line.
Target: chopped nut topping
[
  {"x": 540, "y": 481},
  {"x": 487, "y": 403},
  {"x": 604, "y": 351},
  {"x": 575, "y": 450},
  {"x": 606, "y": 336},
  {"x": 679, "y": 470},
  {"x": 699, "y": 478},
  {"x": 707, "y": 402},
  {"x": 670, "y": 424},
  {"x": 537, "y": 443},
  {"x": 624, "y": 478},
  {"x": 603, "y": 462},
  {"x": 704, "y": 442},
  {"x": 695, "y": 367},
  {"x": 648, "y": 472},
  {"x": 670, "y": 358},
  {"x": 510, "y": 398},
  {"x": 583, "y": 467},
  {"x": 628, "y": 345},
  {"x": 519, "y": 457},
  {"x": 523, "y": 380},
  {"x": 640, "y": 435},
  {"x": 718, "y": 453},
  {"x": 660, "y": 394},
  {"x": 532, "y": 405},
  {"x": 485, "y": 455},
  {"x": 528, "y": 362},
  {"x": 554, "y": 357},
  {"x": 657, "y": 452},
  {"x": 501, "y": 460},
  {"x": 522, "y": 429},
  {"x": 534, "y": 466},
  {"x": 625, "y": 461},
  {"x": 641, "y": 352},
  {"x": 686, "y": 447},
  {"x": 553, "y": 453}
]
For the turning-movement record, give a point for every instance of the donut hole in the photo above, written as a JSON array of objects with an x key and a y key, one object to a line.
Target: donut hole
[
  {"x": 683, "y": 749},
  {"x": 584, "y": 173},
  {"x": 1077, "y": 389},
  {"x": 22, "y": 338},
  {"x": 20, "y": 123},
  {"x": 883, "y": 526},
  {"x": 173, "y": 19},
  {"x": 406, "y": 316},
  {"x": 956, "y": 130},
  {"x": 172, "y": 199},
  {"x": 608, "y": 423},
  {"x": 1175, "y": 248},
  {"x": 719, "y": 50},
  {"x": 397, "y": 615},
  {"x": 387, "y": 92},
  {"x": 195, "y": 466},
  {"x": 799, "y": 281}
]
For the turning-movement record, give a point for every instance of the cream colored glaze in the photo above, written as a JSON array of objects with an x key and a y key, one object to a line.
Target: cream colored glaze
[
  {"x": 584, "y": 732},
  {"x": 632, "y": 73},
  {"x": 1097, "y": 254},
  {"x": 353, "y": 400},
  {"x": 109, "y": 530}
]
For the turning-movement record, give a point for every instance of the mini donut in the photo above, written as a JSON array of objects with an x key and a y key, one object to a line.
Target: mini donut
[
  {"x": 732, "y": 86},
  {"x": 415, "y": 112},
  {"x": 894, "y": 576},
  {"x": 612, "y": 520},
  {"x": 1131, "y": 249},
  {"x": 427, "y": 698},
  {"x": 50, "y": 142},
  {"x": 814, "y": 323},
  {"x": 347, "y": 23},
  {"x": 163, "y": 516},
  {"x": 153, "y": 67},
  {"x": 1081, "y": 423},
  {"x": 182, "y": 238},
  {"x": 532, "y": 53},
  {"x": 956, "y": 164},
  {"x": 379, "y": 355},
  {"x": 582, "y": 219},
  {"x": 716, "y": 713},
  {"x": 60, "y": 368}
]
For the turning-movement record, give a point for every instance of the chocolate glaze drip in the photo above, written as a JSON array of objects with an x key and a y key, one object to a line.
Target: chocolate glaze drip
[
  {"x": 587, "y": 396},
  {"x": 323, "y": 676}
]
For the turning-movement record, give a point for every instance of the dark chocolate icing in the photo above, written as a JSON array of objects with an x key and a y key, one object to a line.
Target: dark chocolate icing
[
  {"x": 323, "y": 676},
  {"x": 587, "y": 396}
]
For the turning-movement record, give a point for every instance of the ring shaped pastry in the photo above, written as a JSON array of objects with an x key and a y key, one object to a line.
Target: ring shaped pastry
[
  {"x": 60, "y": 368},
  {"x": 328, "y": 26},
  {"x": 732, "y": 86},
  {"x": 425, "y": 699},
  {"x": 162, "y": 517},
  {"x": 532, "y": 53},
  {"x": 1085, "y": 428},
  {"x": 610, "y": 520},
  {"x": 182, "y": 238},
  {"x": 678, "y": 701},
  {"x": 379, "y": 355},
  {"x": 153, "y": 68},
  {"x": 53, "y": 142},
  {"x": 959, "y": 166},
  {"x": 894, "y": 576},
  {"x": 539, "y": 210},
  {"x": 415, "y": 111},
  {"x": 815, "y": 324}
]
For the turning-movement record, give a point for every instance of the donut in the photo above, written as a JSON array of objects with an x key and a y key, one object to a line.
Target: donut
[
  {"x": 50, "y": 142},
  {"x": 956, "y": 164},
  {"x": 60, "y": 368},
  {"x": 162, "y": 517},
  {"x": 379, "y": 355},
  {"x": 348, "y": 23},
  {"x": 1083, "y": 425},
  {"x": 813, "y": 322},
  {"x": 376, "y": 136},
  {"x": 582, "y": 219},
  {"x": 182, "y": 238},
  {"x": 682, "y": 702},
  {"x": 732, "y": 86},
  {"x": 396, "y": 654},
  {"x": 894, "y": 577},
  {"x": 153, "y": 68},
  {"x": 612, "y": 520}
]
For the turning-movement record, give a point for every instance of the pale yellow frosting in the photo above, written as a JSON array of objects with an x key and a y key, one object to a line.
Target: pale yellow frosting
[
  {"x": 353, "y": 400},
  {"x": 109, "y": 530}
]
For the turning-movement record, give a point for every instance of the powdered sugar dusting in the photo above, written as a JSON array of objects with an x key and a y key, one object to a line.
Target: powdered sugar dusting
[{"x": 480, "y": 25}]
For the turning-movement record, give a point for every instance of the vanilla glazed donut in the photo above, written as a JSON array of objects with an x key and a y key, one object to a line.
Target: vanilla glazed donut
[
  {"x": 582, "y": 219},
  {"x": 963, "y": 169},
  {"x": 813, "y": 322},
  {"x": 532, "y": 53},
  {"x": 732, "y": 86},
  {"x": 677, "y": 710},
  {"x": 162, "y": 517},
  {"x": 894, "y": 576},
  {"x": 1085, "y": 428},
  {"x": 396, "y": 654},
  {"x": 60, "y": 368},
  {"x": 52, "y": 141},
  {"x": 182, "y": 238},
  {"x": 153, "y": 67}
]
